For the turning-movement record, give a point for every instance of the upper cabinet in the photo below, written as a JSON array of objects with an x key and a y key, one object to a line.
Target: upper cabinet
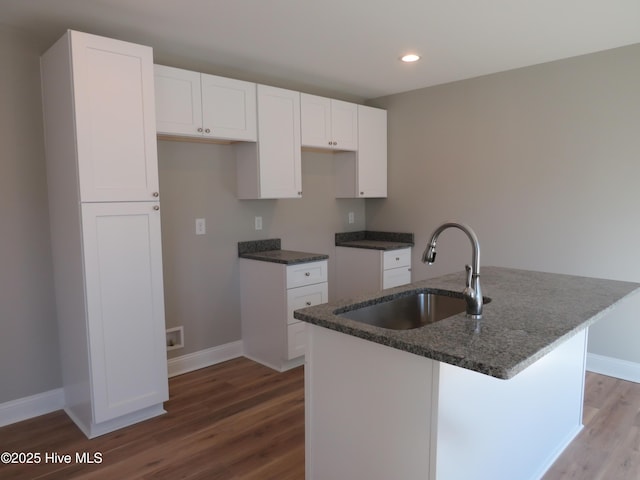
[
  {"x": 199, "y": 105},
  {"x": 328, "y": 123},
  {"x": 270, "y": 126},
  {"x": 364, "y": 175},
  {"x": 115, "y": 133},
  {"x": 271, "y": 168}
]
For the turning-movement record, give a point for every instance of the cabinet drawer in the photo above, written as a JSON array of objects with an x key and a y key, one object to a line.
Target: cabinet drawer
[
  {"x": 394, "y": 277},
  {"x": 296, "y": 340},
  {"x": 396, "y": 258},
  {"x": 306, "y": 296},
  {"x": 306, "y": 274}
]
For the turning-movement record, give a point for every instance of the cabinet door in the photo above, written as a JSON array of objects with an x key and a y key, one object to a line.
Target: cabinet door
[
  {"x": 344, "y": 125},
  {"x": 228, "y": 108},
  {"x": 124, "y": 292},
  {"x": 279, "y": 143},
  {"x": 178, "y": 101},
  {"x": 315, "y": 121},
  {"x": 296, "y": 340},
  {"x": 371, "y": 172},
  {"x": 115, "y": 119}
]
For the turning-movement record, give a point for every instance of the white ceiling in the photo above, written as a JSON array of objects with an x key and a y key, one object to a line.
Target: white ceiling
[{"x": 346, "y": 46}]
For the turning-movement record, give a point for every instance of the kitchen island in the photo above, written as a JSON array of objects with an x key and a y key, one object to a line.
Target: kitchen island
[{"x": 497, "y": 398}]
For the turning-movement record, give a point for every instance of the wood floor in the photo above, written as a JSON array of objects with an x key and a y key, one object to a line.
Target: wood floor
[{"x": 241, "y": 421}]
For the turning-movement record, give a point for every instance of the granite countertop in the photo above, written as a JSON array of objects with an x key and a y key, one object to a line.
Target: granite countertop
[
  {"x": 374, "y": 240},
  {"x": 529, "y": 315},
  {"x": 269, "y": 251}
]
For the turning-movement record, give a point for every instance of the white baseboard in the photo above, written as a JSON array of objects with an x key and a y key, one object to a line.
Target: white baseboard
[
  {"x": 33, "y": 406},
  {"x": 204, "y": 358},
  {"x": 47, "y": 402},
  {"x": 613, "y": 367}
]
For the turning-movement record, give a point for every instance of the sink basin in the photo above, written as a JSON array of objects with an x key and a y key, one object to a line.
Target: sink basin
[{"x": 411, "y": 311}]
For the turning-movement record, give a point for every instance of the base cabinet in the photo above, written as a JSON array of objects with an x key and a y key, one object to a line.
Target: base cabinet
[
  {"x": 433, "y": 420},
  {"x": 270, "y": 292},
  {"x": 363, "y": 270}
]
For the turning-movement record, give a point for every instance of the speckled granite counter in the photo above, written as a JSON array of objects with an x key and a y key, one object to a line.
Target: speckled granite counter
[
  {"x": 529, "y": 315},
  {"x": 374, "y": 240},
  {"x": 269, "y": 251}
]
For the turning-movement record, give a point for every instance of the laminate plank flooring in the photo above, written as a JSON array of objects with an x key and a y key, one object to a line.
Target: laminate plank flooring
[{"x": 242, "y": 421}]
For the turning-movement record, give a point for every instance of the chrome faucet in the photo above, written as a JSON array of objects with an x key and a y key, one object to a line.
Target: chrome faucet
[{"x": 472, "y": 292}]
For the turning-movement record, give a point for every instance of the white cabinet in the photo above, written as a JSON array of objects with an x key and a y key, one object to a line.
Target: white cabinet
[
  {"x": 102, "y": 177},
  {"x": 364, "y": 270},
  {"x": 125, "y": 306},
  {"x": 199, "y": 105},
  {"x": 328, "y": 123},
  {"x": 364, "y": 175},
  {"x": 114, "y": 118},
  {"x": 271, "y": 168},
  {"x": 270, "y": 292}
]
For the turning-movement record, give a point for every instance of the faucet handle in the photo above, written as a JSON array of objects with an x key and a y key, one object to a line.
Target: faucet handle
[{"x": 469, "y": 275}]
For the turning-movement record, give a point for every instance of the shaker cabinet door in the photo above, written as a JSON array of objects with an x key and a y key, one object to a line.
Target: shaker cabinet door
[
  {"x": 228, "y": 108},
  {"x": 372, "y": 152},
  {"x": 344, "y": 125},
  {"x": 315, "y": 119},
  {"x": 280, "y": 159},
  {"x": 115, "y": 119},
  {"x": 125, "y": 307},
  {"x": 178, "y": 101}
]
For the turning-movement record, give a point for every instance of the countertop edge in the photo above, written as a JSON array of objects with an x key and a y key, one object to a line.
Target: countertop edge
[
  {"x": 285, "y": 257},
  {"x": 504, "y": 365}
]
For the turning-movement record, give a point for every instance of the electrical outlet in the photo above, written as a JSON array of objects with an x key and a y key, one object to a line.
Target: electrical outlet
[
  {"x": 258, "y": 223},
  {"x": 352, "y": 217},
  {"x": 201, "y": 226}
]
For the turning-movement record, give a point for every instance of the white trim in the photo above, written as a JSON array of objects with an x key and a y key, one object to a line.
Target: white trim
[
  {"x": 204, "y": 358},
  {"x": 29, "y": 407},
  {"x": 93, "y": 430},
  {"x": 554, "y": 455},
  {"x": 613, "y": 367}
]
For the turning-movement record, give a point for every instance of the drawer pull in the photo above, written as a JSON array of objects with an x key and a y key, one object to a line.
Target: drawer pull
[
  {"x": 397, "y": 259},
  {"x": 308, "y": 304},
  {"x": 307, "y": 274}
]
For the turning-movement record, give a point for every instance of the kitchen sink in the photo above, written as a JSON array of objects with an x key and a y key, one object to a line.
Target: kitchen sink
[{"x": 410, "y": 311}]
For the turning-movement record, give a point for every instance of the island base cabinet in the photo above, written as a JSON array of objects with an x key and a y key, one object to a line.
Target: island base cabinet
[
  {"x": 377, "y": 413},
  {"x": 367, "y": 409}
]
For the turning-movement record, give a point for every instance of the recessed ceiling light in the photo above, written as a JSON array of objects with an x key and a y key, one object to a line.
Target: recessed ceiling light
[{"x": 411, "y": 57}]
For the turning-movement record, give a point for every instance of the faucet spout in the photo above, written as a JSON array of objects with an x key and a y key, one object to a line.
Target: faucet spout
[{"x": 472, "y": 292}]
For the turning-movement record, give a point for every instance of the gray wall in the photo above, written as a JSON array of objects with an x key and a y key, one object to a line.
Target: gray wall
[
  {"x": 543, "y": 162},
  {"x": 29, "y": 343},
  {"x": 202, "y": 290}
]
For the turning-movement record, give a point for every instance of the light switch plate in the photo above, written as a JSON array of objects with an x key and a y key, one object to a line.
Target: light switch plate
[{"x": 258, "y": 223}]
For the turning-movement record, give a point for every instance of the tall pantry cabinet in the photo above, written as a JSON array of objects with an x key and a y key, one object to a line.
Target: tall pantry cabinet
[{"x": 102, "y": 173}]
